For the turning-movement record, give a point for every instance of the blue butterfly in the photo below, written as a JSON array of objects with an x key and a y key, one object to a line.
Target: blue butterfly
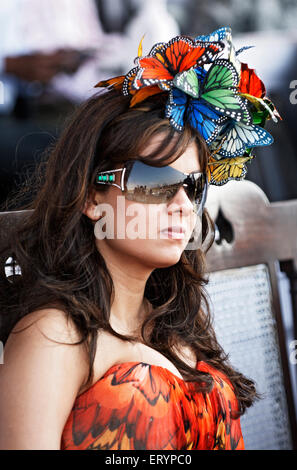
[
  {"x": 217, "y": 35},
  {"x": 236, "y": 137},
  {"x": 200, "y": 115}
]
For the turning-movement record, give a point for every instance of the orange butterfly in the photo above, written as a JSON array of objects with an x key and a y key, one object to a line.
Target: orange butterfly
[{"x": 165, "y": 60}]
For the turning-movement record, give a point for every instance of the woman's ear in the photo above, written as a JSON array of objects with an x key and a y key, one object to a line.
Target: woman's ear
[{"x": 92, "y": 205}]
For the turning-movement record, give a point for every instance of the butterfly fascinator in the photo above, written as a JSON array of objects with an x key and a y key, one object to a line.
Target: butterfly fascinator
[{"x": 211, "y": 90}]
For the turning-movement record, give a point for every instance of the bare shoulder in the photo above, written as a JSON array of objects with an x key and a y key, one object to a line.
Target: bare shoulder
[
  {"x": 52, "y": 330},
  {"x": 51, "y": 322},
  {"x": 39, "y": 380}
]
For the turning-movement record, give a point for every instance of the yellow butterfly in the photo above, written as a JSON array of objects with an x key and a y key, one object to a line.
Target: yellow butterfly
[{"x": 221, "y": 171}]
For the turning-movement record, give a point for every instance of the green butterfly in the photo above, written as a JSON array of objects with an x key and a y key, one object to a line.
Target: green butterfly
[{"x": 217, "y": 87}]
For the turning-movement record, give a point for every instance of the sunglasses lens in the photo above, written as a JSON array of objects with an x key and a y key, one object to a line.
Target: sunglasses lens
[
  {"x": 153, "y": 185},
  {"x": 149, "y": 184}
]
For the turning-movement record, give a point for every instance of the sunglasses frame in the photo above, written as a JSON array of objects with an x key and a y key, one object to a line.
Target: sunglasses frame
[{"x": 131, "y": 162}]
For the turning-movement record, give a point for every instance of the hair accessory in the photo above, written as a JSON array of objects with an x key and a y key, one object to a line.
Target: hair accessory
[{"x": 212, "y": 91}]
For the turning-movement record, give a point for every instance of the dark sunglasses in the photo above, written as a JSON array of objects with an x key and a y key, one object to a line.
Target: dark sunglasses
[{"x": 148, "y": 184}]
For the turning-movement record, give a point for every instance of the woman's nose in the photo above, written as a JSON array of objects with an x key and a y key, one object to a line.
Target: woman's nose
[{"x": 181, "y": 203}]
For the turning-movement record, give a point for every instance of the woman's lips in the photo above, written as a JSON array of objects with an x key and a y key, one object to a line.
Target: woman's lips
[{"x": 176, "y": 232}]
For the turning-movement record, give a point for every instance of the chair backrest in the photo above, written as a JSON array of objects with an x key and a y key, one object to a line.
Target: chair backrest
[{"x": 254, "y": 303}]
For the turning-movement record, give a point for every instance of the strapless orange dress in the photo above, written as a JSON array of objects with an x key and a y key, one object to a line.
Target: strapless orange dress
[{"x": 139, "y": 406}]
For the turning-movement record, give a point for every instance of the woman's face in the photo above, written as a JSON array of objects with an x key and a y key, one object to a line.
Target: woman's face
[{"x": 137, "y": 233}]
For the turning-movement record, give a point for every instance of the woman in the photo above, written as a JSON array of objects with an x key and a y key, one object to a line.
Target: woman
[{"x": 109, "y": 339}]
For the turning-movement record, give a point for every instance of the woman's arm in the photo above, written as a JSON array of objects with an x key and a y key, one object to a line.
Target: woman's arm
[{"x": 39, "y": 381}]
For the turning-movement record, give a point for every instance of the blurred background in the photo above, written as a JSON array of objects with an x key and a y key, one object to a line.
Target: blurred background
[{"x": 53, "y": 52}]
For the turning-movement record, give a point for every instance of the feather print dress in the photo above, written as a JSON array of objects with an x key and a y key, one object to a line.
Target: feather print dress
[{"x": 136, "y": 405}]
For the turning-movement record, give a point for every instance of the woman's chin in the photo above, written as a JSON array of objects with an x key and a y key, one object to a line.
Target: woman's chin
[{"x": 167, "y": 256}]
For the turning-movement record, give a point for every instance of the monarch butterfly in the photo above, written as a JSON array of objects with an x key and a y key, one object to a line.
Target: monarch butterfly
[{"x": 165, "y": 60}]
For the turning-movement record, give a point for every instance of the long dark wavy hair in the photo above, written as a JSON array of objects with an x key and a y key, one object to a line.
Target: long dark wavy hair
[{"x": 61, "y": 267}]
